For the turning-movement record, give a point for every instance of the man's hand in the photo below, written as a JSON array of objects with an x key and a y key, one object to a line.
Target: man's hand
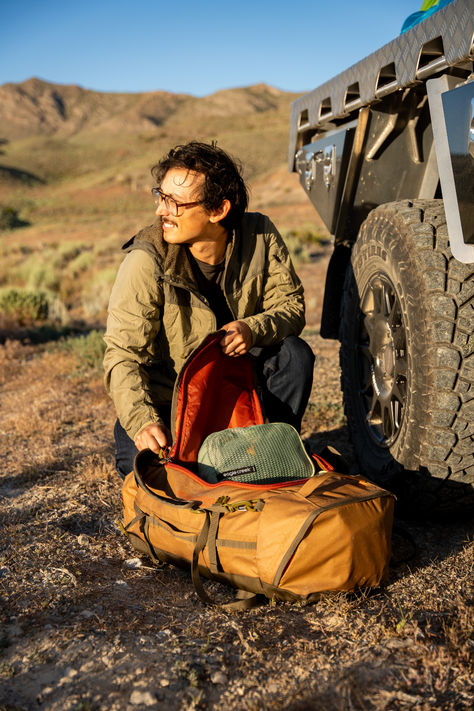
[
  {"x": 238, "y": 338},
  {"x": 155, "y": 437}
]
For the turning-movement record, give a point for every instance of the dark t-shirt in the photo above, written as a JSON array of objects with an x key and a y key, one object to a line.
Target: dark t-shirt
[{"x": 210, "y": 282}]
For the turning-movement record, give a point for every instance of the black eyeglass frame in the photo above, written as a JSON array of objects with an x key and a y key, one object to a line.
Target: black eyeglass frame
[{"x": 171, "y": 204}]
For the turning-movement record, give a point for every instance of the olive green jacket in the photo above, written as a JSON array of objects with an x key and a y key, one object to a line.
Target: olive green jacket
[{"x": 157, "y": 317}]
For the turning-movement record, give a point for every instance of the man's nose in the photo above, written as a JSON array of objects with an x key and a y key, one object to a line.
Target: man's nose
[{"x": 161, "y": 209}]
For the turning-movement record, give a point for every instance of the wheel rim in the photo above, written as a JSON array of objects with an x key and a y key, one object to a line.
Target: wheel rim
[{"x": 382, "y": 360}]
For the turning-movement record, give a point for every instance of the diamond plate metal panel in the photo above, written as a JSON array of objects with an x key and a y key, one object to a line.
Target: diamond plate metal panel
[{"x": 454, "y": 24}]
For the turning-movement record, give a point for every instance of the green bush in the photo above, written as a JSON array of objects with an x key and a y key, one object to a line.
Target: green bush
[
  {"x": 37, "y": 271},
  {"x": 88, "y": 350},
  {"x": 67, "y": 251},
  {"x": 301, "y": 244},
  {"x": 24, "y": 305},
  {"x": 80, "y": 264},
  {"x": 42, "y": 275},
  {"x": 9, "y": 218},
  {"x": 299, "y": 251}
]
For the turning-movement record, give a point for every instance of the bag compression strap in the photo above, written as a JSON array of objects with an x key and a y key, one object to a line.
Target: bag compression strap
[{"x": 245, "y": 600}]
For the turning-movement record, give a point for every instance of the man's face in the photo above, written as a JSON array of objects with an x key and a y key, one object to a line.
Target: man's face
[{"x": 192, "y": 224}]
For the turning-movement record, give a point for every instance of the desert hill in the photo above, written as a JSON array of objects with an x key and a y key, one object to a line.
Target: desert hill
[
  {"x": 75, "y": 176},
  {"x": 36, "y": 107},
  {"x": 51, "y": 131}
]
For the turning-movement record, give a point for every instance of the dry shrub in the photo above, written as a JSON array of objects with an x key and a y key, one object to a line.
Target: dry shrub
[
  {"x": 95, "y": 295},
  {"x": 108, "y": 246}
]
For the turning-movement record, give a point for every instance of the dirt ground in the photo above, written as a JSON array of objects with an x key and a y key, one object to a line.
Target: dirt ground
[{"x": 86, "y": 624}]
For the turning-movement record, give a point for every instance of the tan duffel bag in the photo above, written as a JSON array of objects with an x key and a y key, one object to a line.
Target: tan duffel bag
[{"x": 290, "y": 540}]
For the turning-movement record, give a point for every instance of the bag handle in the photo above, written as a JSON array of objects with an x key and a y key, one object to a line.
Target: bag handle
[{"x": 312, "y": 484}]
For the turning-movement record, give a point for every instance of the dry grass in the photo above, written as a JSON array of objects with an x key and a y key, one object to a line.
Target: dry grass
[{"x": 83, "y": 628}]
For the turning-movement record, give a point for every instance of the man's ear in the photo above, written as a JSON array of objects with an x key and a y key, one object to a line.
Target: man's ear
[{"x": 221, "y": 212}]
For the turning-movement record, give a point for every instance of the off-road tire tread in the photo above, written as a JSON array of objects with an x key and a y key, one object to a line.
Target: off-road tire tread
[{"x": 442, "y": 440}]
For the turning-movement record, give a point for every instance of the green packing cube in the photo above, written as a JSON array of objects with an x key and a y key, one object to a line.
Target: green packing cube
[{"x": 256, "y": 454}]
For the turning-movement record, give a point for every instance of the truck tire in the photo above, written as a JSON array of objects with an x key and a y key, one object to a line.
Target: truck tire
[{"x": 407, "y": 355}]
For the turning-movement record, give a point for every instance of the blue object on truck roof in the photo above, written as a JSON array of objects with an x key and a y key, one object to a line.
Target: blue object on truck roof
[{"x": 421, "y": 15}]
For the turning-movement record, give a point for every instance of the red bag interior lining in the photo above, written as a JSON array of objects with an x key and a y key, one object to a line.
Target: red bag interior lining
[{"x": 215, "y": 392}]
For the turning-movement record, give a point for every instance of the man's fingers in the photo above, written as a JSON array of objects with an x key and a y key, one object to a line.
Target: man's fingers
[
  {"x": 237, "y": 340},
  {"x": 154, "y": 446},
  {"x": 235, "y": 347},
  {"x": 228, "y": 338},
  {"x": 155, "y": 437}
]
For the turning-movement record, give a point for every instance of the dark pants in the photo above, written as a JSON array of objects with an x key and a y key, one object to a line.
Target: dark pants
[{"x": 285, "y": 377}]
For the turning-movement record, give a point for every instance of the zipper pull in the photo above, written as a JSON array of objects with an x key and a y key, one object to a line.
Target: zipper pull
[{"x": 164, "y": 454}]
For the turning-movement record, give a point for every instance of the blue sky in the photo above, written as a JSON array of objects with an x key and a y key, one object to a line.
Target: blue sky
[{"x": 189, "y": 46}]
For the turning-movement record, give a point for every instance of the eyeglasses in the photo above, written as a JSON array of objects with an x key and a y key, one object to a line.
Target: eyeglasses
[{"x": 170, "y": 203}]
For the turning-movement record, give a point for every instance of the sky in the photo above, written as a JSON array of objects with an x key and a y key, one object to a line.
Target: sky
[{"x": 191, "y": 47}]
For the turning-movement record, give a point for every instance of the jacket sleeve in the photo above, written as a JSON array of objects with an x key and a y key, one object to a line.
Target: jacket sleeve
[
  {"x": 282, "y": 310},
  {"x": 134, "y": 319}
]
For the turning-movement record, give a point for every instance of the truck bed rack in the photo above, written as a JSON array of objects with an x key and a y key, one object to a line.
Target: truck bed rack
[{"x": 444, "y": 39}]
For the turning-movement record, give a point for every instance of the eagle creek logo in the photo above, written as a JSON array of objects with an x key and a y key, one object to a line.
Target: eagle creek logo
[{"x": 236, "y": 472}]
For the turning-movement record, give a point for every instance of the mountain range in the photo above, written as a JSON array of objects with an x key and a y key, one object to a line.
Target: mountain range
[
  {"x": 37, "y": 107},
  {"x": 71, "y": 156}
]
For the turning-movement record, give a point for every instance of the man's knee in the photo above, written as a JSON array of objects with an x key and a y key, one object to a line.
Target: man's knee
[{"x": 298, "y": 351}]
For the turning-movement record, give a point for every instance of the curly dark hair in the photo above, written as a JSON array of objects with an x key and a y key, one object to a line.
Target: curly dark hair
[{"x": 222, "y": 176}]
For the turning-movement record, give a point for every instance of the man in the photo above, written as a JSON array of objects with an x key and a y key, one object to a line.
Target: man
[{"x": 204, "y": 265}]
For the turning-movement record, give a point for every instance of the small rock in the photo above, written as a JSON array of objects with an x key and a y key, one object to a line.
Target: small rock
[
  {"x": 133, "y": 563},
  {"x": 122, "y": 583},
  {"x": 87, "y": 614},
  {"x": 164, "y": 682},
  {"x": 47, "y": 690},
  {"x": 219, "y": 678},
  {"x": 87, "y": 667},
  {"x": 83, "y": 540},
  {"x": 142, "y": 697},
  {"x": 395, "y": 643},
  {"x": 68, "y": 676}
]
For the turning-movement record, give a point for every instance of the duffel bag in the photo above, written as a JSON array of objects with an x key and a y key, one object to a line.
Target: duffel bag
[{"x": 288, "y": 541}]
